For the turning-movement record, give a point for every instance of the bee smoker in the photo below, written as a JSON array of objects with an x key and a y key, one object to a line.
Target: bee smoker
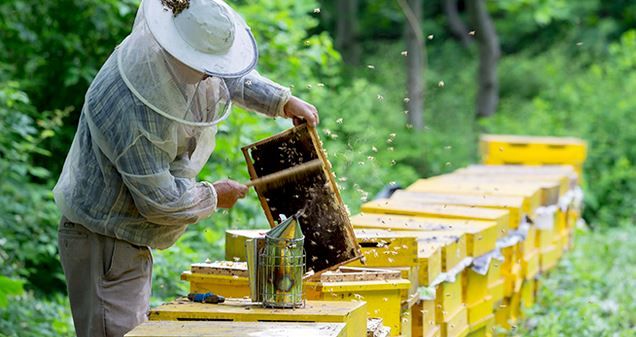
[{"x": 281, "y": 266}]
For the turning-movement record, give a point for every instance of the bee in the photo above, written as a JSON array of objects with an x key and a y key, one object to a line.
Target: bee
[{"x": 176, "y": 6}]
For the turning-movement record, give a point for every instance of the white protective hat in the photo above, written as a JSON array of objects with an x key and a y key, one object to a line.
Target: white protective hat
[{"x": 206, "y": 35}]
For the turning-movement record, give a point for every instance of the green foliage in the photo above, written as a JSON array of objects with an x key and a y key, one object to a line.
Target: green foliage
[
  {"x": 9, "y": 287},
  {"x": 587, "y": 295},
  {"x": 27, "y": 213},
  {"x": 31, "y": 316},
  {"x": 77, "y": 34},
  {"x": 55, "y": 48}
]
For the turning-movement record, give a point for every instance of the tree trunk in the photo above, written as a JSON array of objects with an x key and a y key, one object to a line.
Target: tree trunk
[
  {"x": 347, "y": 31},
  {"x": 455, "y": 23},
  {"x": 414, "y": 62},
  {"x": 489, "y": 53}
]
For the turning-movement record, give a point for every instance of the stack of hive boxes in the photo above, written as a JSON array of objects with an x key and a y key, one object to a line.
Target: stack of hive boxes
[
  {"x": 467, "y": 247},
  {"x": 516, "y": 221}
]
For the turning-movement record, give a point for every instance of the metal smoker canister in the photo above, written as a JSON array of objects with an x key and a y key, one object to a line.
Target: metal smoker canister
[{"x": 282, "y": 265}]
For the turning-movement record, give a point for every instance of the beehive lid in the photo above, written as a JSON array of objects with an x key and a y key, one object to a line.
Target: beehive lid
[
  {"x": 229, "y": 268},
  {"x": 520, "y": 139},
  {"x": 343, "y": 274},
  {"x": 236, "y": 329}
]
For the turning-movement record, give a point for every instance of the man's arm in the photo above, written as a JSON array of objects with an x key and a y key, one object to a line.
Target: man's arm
[
  {"x": 257, "y": 93},
  {"x": 159, "y": 196}
]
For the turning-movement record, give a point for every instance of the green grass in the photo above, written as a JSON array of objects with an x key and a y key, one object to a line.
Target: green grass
[{"x": 591, "y": 293}]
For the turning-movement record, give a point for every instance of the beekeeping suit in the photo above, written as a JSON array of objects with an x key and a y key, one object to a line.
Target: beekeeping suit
[{"x": 147, "y": 127}]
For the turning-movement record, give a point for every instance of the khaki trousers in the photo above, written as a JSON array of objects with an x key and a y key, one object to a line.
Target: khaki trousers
[{"x": 108, "y": 281}]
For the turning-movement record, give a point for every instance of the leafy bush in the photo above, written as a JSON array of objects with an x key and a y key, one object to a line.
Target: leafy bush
[
  {"x": 28, "y": 217},
  {"x": 29, "y": 315}
]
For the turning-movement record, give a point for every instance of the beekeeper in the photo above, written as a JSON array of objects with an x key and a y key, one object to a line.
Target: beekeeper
[{"x": 147, "y": 127}]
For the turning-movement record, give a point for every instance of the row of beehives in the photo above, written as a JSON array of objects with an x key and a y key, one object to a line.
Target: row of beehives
[
  {"x": 469, "y": 246},
  {"x": 459, "y": 255}
]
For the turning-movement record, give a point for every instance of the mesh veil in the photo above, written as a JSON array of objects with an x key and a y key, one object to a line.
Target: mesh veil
[{"x": 166, "y": 85}]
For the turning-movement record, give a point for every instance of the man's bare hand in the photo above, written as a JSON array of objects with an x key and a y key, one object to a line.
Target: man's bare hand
[
  {"x": 299, "y": 110},
  {"x": 228, "y": 192}
]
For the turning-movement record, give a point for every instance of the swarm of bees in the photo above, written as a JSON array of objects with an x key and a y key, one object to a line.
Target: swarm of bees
[{"x": 176, "y": 6}]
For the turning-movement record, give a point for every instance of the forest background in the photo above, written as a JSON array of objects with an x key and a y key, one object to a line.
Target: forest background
[{"x": 404, "y": 89}]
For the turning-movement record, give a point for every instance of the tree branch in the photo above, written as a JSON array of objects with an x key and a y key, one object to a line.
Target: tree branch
[{"x": 455, "y": 23}]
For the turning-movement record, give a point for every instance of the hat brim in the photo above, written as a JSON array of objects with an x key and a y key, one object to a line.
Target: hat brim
[{"x": 240, "y": 59}]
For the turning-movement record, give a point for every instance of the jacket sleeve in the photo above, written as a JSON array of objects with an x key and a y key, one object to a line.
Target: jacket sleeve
[
  {"x": 257, "y": 93},
  {"x": 161, "y": 197}
]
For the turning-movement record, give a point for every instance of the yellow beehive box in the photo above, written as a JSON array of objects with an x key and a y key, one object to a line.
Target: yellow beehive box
[
  {"x": 381, "y": 249},
  {"x": 573, "y": 217},
  {"x": 515, "y": 306},
  {"x": 515, "y": 149},
  {"x": 566, "y": 180},
  {"x": 503, "y": 314},
  {"x": 540, "y": 172},
  {"x": 483, "y": 329},
  {"x": 478, "y": 286},
  {"x": 480, "y": 313},
  {"x": 437, "y": 332},
  {"x": 405, "y": 327},
  {"x": 384, "y": 249},
  {"x": 414, "y": 208},
  {"x": 481, "y": 236},
  {"x": 550, "y": 189},
  {"x": 563, "y": 241},
  {"x": 495, "y": 280},
  {"x": 549, "y": 257},
  {"x": 560, "y": 173},
  {"x": 236, "y": 329},
  {"x": 430, "y": 252},
  {"x": 561, "y": 222},
  {"x": 411, "y": 273},
  {"x": 453, "y": 245},
  {"x": 530, "y": 194},
  {"x": 235, "y": 242},
  {"x": 352, "y": 313},
  {"x": 449, "y": 299},
  {"x": 406, "y": 313},
  {"x": 456, "y": 325},
  {"x": 224, "y": 285},
  {"x": 423, "y": 322},
  {"x": 528, "y": 291},
  {"x": 511, "y": 268},
  {"x": 546, "y": 237},
  {"x": 558, "y": 169},
  {"x": 383, "y": 297},
  {"x": 530, "y": 266},
  {"x": 528, "y": 246},
  {"x": 563, "y": 181},
  {"x": 513, "y": 204}
]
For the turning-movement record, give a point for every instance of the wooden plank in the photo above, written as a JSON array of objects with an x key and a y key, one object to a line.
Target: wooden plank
[
  {"x": 236, "y": 329},
  {"x": 253, "y": 175},
  {"x": 229, "y": 268},
  {"x": 344, "y": 274},
  {"x": 352, "y": 313},
  {"x": 245, "y": 310}
]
